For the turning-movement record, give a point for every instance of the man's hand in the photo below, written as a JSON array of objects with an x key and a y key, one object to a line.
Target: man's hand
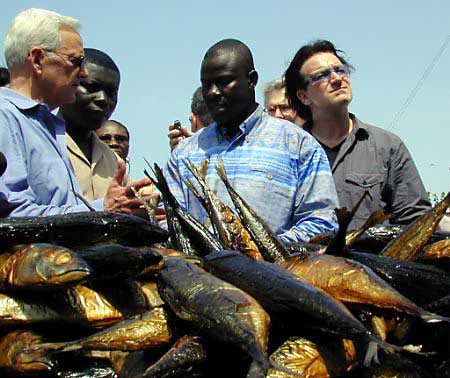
[
  {"x": 121, "y": 199},
  {"x": 175, "y": 135}
]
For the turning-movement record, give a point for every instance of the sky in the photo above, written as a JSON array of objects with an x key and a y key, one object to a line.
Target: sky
[{"x": 159, "y": 45}]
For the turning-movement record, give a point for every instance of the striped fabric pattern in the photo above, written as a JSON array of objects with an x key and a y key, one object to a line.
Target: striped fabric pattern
[{"x": 278, "y": 168}]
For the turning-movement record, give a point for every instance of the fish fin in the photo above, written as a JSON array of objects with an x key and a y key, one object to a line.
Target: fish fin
[
  {"x": 372, "y": 350},
  {"x": 430, "y": 317}
]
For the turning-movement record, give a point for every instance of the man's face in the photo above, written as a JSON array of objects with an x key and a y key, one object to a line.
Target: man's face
[
  {"x": 96, "y": 98},
  {"x": 329, "y": 83},
  {"x": 277, "y": 105},
  {"x": 60, "y": 74},
  {"x": 115, "y": 137},
  {"x": 227, "y": 89}
]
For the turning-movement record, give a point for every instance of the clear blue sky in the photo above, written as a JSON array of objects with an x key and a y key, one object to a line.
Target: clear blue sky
[{"x": 159, "y": 45}]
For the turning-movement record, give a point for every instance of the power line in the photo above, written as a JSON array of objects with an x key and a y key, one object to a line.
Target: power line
[{"x": 419, "y": 84}]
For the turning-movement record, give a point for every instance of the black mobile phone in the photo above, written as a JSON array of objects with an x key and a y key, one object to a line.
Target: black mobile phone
[{"x": 177, "y": 124}]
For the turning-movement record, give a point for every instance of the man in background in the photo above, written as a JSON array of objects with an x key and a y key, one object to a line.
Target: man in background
[
  {"x": 96, "y": 98},
  {"x": 276, "y": 103},
  {"x": 116, "y": 136},
  {"x": 45, "y": 57},
  {"x": 4, "y": 77},
  {"x": 199, "y": 118}
]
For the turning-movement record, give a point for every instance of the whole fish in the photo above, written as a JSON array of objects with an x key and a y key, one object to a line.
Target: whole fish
[
  {"x": 140, "y": 332},
  {"x": 409, "y": 244},
  {"x": 179, "y": 361},
  {"x": 229, "y": 227},
  {"x": 81, "y": 229},
  {"x": 280, "y": 292},
  {"x": 37, "y": 266},
  {"x": 15, "y": 360},
  {"x": 178, "y": 238},
  {"x": 123, "y": 261},
  {"x": 419, "y": 282},
  {"x": 318, "y": 358},
  {"x": 352, "y": 282},
  {"x": 201, "y": 239},
  {"x": 216, "y": 308},
  {"x": 269, "y": 247}
]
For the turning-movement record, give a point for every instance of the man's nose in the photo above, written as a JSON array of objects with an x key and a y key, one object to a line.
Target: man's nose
[
  {"x": 83, "y": 72},
  {"x": 335, "y": 77},
  {"x": 100, "y": 97},
  {"x": 278, "y": 113}
]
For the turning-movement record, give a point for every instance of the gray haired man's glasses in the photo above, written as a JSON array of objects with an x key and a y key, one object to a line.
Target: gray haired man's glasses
[{"x": 77, "y": 61}]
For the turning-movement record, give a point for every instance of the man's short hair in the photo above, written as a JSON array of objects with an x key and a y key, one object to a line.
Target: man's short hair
[
  {"x": 294, "y": 81},
  {"x": 199, "y": 108},
  {"x": 4, "y": 76},
  {"x": 34, "y": 27},
  {"x": 100, "y": 58},
  {"x": 240, "y": 49},
  {"x": 121, "y": 125},
  {"x": 274, "y": 85}
]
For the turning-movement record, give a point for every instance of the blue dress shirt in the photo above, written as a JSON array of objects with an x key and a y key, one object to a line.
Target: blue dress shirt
[
  {"x": 39, "y": 179},
  {"x": 278, "y": 168}
]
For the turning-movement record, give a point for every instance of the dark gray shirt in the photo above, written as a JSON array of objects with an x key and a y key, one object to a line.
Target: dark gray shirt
[{"x": 376, "y": 160}]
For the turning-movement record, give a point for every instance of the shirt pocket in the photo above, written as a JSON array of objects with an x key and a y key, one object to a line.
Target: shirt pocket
[{"x": 356, "y": 185}]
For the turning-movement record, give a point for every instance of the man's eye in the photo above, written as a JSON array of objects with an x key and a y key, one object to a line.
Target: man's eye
[{"x": 321, "y": 75}]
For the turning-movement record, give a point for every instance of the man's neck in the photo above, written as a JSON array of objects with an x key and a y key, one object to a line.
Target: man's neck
[
  {"x": 331, "y": 128},
  {"x": 26, "y": 87},
  {"x": 232, "y": 128}
]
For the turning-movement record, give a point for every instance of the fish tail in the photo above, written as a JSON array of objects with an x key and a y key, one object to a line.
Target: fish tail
[
  {"x": 430, "y": 317},
  {"x": 372, "y": 350}
]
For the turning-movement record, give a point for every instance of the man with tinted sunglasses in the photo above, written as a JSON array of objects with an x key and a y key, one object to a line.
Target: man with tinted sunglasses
[{"x": 362, "y": 157}]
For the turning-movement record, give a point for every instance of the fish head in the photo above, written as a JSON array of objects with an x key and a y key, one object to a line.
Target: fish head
[
  {"x": 34, "y": 361},
  {"x": 46, "y": 264}
]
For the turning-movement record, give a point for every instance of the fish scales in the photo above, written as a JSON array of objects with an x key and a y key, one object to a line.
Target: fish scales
[{"x": 216, "y": 308}]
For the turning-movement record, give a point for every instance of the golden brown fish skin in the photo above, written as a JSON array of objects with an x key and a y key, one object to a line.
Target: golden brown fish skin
[
  {"x": 41, "y": 265},
  {"x": 216, "y": 308},
  {"x": 93, "y": 307},
  {"x": 151, "y": 293},
  {"x": 375, "y": 218},
  {"x": 438, "y": 250},
  {"x": 309, "y": 359},
  {"x": 140, "y": 332},
  {"x": 13, "y": 356},
  {"x": 230, "y": 228},
  {"x": 409, "y": 244},
  {"x": 349, "y": 282}
]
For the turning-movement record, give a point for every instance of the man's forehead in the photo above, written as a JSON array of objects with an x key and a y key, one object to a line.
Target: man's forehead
[
  {"x": 227, "y": 60},
  {"x": 100, "y": 73}
]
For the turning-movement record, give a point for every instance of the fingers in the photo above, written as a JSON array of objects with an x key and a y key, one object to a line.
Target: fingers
[
  {"x": 120, "y": 173},
  {"x": 141, "y": 183}
]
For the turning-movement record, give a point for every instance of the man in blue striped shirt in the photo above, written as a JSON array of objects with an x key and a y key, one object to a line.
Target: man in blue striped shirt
[{"x": 280, "y": 170}]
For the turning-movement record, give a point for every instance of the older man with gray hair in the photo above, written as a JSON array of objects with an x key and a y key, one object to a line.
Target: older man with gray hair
[
  {"x": 276, "y": 103},
  {"x": 45, "y": 57}
]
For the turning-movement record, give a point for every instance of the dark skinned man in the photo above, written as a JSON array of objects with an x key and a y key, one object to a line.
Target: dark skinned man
[
  {"x": 279, "y": 169},
  {"x": 94, "y": 163},
  {"x": 116, "y": 136}
]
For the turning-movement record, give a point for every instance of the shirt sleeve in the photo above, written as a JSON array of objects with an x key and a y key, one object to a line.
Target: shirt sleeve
[
  {"x": 17, "y": 198},
  {"x": 407, "y": 197},
  {"x": 316, "y": 196}
]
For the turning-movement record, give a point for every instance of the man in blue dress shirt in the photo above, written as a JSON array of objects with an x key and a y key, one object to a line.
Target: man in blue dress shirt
[
  {"x": 45, "y": 57},
  {"x": 279, "y": 169}
]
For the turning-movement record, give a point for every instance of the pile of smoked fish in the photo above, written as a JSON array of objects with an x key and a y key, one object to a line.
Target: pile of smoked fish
[{"x": 100, "y": 294}]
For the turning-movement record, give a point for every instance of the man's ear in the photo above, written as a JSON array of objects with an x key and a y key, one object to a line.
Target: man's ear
[
  {"x": 253, "y": 78},
  {"x": 35, "y": 57},
  {"x": 195, "y": 123},
  {"x": 303, "y": 97}
]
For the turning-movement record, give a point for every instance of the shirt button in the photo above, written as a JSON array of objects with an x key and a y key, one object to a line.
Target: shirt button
[
  {"x": 247, "y": 139},
  {"x": 269, "y": 176}
]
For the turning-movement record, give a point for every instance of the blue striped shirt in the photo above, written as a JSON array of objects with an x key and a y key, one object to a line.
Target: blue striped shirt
[{"x": 278, "y": 168}]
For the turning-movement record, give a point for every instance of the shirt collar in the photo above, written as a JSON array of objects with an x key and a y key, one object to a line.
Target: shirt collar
[
  {"x": 247, "y": 125},
  {"x": 356, "y": 125},
  {"x": 19, "y": 100}
]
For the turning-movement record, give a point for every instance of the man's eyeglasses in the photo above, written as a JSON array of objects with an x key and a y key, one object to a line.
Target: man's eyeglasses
[
  {"x": 325, "y": 74},
  {"x": 282, "y": 108},
  {"x": 77, "y": 61}
]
